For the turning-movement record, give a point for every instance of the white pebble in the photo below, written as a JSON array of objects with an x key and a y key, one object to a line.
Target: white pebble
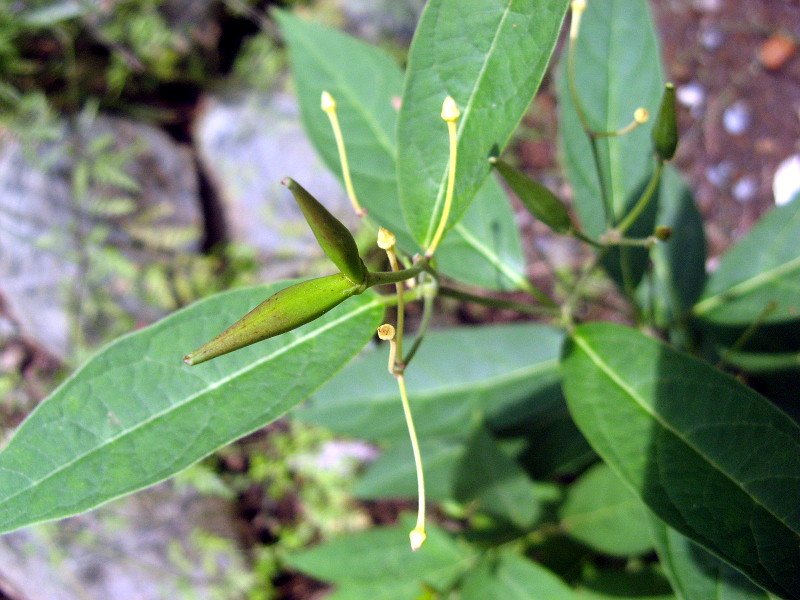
[
  {"x": 736, "y": 118},
  {"x": 691, "y": 95},
  {"x": 786, "y": 183},
  {"x": 744, "y": 189}
]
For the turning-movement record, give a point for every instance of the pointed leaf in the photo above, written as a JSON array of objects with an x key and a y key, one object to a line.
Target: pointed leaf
[
  {"x": 673, "y": 428},
  {"x": 617, "y": 70},
  {"x": 455, "y": 373},
  {"x": 382, "y": 558},
  {"x": 604, "y": 514},
  {"x": 514, "y": 577},
  {"x": 135, "y": 414},
  {"x": 631, "y": 584},
  {"x": 695, "y": 573},
  {"x": 758, "y": 281},
  {"x": 484, "y": 248},
  {"x": 679, "y": 263},
  {"x": 366, "y": 84},
  {"x": 498, "y": 483},
  {"x": 492, "y": 73}
]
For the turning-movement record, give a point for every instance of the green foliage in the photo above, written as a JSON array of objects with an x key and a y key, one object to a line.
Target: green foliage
[
  {"x": 512, "y": 419},
  {"x": 122, "y": 439},
  {"x": 602, "y": 513},
  {"x": 683, "y": 423},
  {"x": 492, "y": 73}
]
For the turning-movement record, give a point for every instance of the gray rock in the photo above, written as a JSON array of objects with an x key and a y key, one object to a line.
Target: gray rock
[
  {"x": 80, "y": 219},
  {"x": 377, "y": 20},
  {"x": 160, "y": 544},
  {"x": 247, "y": 144}
]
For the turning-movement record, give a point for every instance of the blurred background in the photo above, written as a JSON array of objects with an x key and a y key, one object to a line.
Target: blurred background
[{"x": 141, "y": 148}]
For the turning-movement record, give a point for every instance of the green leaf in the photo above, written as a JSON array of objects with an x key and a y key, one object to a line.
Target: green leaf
[
  {"x": 617, "y": 70},
  {"x": 135, "y": 414},
  {"x": 492, "y": 73},
  {"x": 513, "y": 577},
  {"x": 673, "y": 428},
  {"x": 455, "y": 374},
  {"x": 679, "y": 263},
  {"x": 499, "y": 483},
  {"x": 762, "y": 362},
  {"x": 695, "y": 573},
  {"x": 363, "y": 80},
  {"x": 552, "y": 445},
  {"x": 643, "y": 584},
  {"x": 496, "y": 367},
  {"x": 760, "y": 272},
  {"x": 393, "y": 474},
  {"x": 604, "y": 514},
  {"x": 381, "y": 561},
  {"x": 486, "y": 249}
]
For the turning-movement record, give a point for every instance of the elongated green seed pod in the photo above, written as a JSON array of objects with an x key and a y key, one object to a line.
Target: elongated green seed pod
[
  {"x": 333, "y": 237},
  {"x": 286, "y": 310},
  {"x": 665, "y": 129},
  {"x": 540, "y": 201}
]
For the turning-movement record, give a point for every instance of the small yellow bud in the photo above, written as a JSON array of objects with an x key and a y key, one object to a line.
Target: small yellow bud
[
  {"x": 641, "y": 115},
  {"x": 386, "y": 331},
  {"x": 417, "y": 537},
  {"x": 450, "y": 112},
  {"x": 386, "y": 239},
  {"x": 328, "y": 103},
  {"x": 578, "y": 5}
]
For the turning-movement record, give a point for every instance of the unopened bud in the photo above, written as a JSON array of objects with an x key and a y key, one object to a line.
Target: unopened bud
[
  {"x": 417, "y": 538},
  {"x": 450, "y": 110},
  {"x": 663, "y": 233},
  {"x": 665, "y": 130},
  {"x": 386, "y": 239},
  {"x": 327, "y": 103}
]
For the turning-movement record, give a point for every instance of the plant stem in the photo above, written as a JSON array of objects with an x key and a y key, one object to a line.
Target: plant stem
[
  {"x": 386, "y": 277},
  {"x": 329, "y": 106},
  {"x": 644, "y": 200},
  {"x": 577, "y": 13},
  {"x": 498, "y": 302},
  {"x": 427, "y": 312},
  {"x": 452, "y": 134},
  {"x": 417, "y": 535}
]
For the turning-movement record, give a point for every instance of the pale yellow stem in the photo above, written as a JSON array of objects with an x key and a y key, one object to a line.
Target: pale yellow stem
[
  {"x": 417, "y": 535},
  {"x": 450, "y": 113},
  {"x": 329, "y": 106}
]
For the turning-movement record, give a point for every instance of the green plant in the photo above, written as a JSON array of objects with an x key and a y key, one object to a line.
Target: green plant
[{"x": 695, "y": 464}]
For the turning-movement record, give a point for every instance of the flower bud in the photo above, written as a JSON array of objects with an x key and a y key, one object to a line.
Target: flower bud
[
  {"x": 540, "y": 201},
  {"x": 663, "y": 233},
  {"x": 665, "y": 129},
  {"x": 333, "y": 237},
  {"x": 386, "y": 331},
  {"x": 288, "y": 309}
]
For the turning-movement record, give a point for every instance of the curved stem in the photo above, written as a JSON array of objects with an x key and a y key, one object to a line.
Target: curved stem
[
  {"x": 577, "y": 13},
  {"x": 644, "y": 200},
  {"x": 417, "y": 535},
  {"x": 497, "y": 302},
  {"x": 427, "y": 312},
  {"x": 448, "y": 199}
]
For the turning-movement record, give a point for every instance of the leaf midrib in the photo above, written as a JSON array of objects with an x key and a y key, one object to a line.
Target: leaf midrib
[
  {"x": 748, "y": 285},
  {"x": 611, "y": 374},
  {"x": 123, "y": 433}
]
